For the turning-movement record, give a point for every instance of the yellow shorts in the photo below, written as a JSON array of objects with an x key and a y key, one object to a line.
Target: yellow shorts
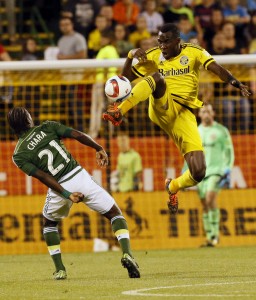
[{"x": 177, "y": 121}]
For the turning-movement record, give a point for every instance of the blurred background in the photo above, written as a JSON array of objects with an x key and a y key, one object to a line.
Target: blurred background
[{"x": 34, "y": 31}]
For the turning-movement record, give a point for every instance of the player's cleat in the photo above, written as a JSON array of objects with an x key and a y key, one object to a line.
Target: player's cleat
[
  {"x": 172, "y": 203},
  {"x": 60, "y": 275},
  {"x": 207, "y": 244},
  {"x": 215, "y": 241},
  {"x": 130, "y": 264},
  {"x": 113, "y": 114}
]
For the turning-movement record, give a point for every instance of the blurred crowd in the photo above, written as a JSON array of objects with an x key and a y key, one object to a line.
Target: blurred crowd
[
  {"x": 105, "y": 29},
  {"x": 80, "y": 26}
]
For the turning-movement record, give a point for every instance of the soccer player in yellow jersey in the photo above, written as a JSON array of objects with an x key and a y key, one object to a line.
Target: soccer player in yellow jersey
[{"x": 170, "y": 75}]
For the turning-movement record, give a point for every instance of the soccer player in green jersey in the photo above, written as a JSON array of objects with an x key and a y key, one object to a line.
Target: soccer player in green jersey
[
  {"x": 170, "y": 77},
  {"x": 219, "y": 157},
  {"x": 40, "y": 153}
]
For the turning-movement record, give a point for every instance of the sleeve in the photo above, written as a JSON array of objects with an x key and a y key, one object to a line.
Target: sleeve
[
  {"x": 228, "y": 149},
  {"x": 25, "y": 166},
  {"x": 80, "y": 43},
  {"x": 205, "y": 58},
  {"x": 60, "y": 129}
]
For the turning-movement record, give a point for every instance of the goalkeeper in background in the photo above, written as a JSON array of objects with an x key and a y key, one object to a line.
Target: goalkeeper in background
[
  {"x": 219, "y": 157},
  {"x": 170, "y": 75},
  {"x": 40, "y": 153}
]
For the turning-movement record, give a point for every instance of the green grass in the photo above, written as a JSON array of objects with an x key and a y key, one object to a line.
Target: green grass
[{"x": 175, "y": 274}]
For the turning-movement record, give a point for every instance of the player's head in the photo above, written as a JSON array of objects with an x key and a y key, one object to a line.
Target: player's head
[
  {"x": 123, "y": 142},
  {"x": 169, "y": 40},
  {"x": 19, "y": 120},
  {"x": 206, "y": 114}
]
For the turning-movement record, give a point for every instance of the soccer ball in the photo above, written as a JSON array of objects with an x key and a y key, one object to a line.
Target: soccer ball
[{"x": 117, "y": 88}]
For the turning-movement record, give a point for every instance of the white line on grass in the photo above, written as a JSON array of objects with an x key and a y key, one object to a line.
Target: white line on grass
[{"x": 141, "y": 292}]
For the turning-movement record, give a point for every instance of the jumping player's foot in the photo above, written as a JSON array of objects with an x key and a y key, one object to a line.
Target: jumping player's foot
[
  {"x": 113, "y": 114},
  {"x": 172, "y": 203},
  {"x": 60, "y": 275},
  {"x": 130, "y": 264}
]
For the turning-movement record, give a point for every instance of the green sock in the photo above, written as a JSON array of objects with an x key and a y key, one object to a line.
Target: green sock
[
  {"x": 215, "y": 222},
  {"x": 52, "y": 238},
  {"x": 207, "y": 226},
  {"x": 120, "y": 229}
]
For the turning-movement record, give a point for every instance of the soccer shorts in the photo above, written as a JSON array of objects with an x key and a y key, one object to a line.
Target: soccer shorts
[
  {"x": 96, "y": 198},
  {"x": 177, "y": 121},
  {"x": 208, "y": 184}
]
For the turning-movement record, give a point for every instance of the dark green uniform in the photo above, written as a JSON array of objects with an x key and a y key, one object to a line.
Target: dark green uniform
[{"x": 41, "y": 148}]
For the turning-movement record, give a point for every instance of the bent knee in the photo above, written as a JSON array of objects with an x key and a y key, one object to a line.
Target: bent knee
[{"x": 199, "y": 174}]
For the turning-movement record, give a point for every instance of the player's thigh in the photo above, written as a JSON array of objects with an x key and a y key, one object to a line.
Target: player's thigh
[
  {"x": 201, "y": 189},
  {"x": 96, "y": 197},
  {"x": 163, "y": 112},
  {"x": 185, "y": 132},
  {"x": 55, "y": 207}
]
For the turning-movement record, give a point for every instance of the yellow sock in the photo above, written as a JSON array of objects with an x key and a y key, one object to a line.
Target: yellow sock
[
  {"x": 184, "y": 181},
  {"x": 140, "y": 92}
]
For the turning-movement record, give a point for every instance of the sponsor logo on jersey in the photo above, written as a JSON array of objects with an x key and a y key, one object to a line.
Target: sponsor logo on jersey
[
  {"x": 174, "y": 72},
  {"x": 184, "y": 60},
  {"x": 36, "y": 139}
]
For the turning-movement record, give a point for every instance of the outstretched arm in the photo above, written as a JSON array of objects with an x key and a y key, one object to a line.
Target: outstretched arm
[
  {"x": 52, "y": 183},
  {"x": 127, "y": 68},
  {"x": 101, "y": 155},
  {"x": 226, "y": 76}
]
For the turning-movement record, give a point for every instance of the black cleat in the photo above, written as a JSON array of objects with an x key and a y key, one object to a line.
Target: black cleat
[{"x": 130, "y": 264}]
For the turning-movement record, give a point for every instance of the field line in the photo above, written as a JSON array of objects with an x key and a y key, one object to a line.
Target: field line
[{"x": 144, "y": 292}]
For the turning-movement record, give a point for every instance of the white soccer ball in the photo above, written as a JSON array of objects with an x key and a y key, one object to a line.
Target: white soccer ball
[{"x": 117, "y": 88}]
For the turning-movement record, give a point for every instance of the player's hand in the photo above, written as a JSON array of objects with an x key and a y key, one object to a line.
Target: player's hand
[
  {"x": 76, "y": 197},
  {"x": 244, "y": 90},
  {"x": 225, "y": 179},
  {"x": 138, "y": 53},
  {"x": 102, "y": 158}
]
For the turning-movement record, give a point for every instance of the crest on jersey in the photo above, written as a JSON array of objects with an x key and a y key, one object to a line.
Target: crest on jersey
[{"x": 184, "y": 60}]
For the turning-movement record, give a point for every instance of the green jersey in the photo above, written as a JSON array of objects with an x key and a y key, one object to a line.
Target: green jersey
[
  {"x": 128, "y": 165},
  {"x": 219, "y": 152},
  {"x": 41, "y": 148}
]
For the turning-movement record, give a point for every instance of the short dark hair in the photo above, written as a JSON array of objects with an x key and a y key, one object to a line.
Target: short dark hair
[
  {"x": 19, "y": 120},
  {"x": 108, "y": 33},
  {"x": 170, "y": 27}
]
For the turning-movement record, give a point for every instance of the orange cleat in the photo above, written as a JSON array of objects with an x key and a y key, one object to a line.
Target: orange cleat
[
  {"x": 172, "y": 203},
  {"x": 113, "y": 114}
]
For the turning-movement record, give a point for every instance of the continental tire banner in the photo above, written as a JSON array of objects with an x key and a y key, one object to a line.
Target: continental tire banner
[{"x": 150, "y": 223}]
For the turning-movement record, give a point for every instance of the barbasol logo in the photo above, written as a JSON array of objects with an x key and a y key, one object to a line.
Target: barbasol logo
[
  {"x": 174, "y": 72},
  {"x": 184, "y": 60}
]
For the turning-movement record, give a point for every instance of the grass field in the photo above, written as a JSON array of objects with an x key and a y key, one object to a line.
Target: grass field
[{"x": 224, "y": 273}]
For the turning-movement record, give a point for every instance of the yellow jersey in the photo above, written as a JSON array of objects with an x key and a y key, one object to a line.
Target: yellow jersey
[{"x": 181, "y": 73}]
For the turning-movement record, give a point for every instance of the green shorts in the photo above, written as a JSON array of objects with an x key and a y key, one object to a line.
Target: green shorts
[{"x": 208, "y": 184}]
